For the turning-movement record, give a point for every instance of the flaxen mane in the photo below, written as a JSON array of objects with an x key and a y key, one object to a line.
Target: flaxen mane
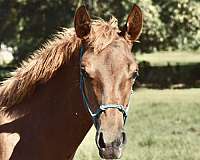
[{"x": 46, "y": 61}]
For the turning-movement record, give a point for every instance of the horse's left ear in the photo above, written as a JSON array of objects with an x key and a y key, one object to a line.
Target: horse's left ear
[
  {"x": 133, "y": 27},
  {"x": 82, "y": 22}
]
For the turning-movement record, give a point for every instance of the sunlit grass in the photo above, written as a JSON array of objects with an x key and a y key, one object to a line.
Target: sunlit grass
[
  {"x": 162, "y": 125},
  {"x": 172, "y": 58}
]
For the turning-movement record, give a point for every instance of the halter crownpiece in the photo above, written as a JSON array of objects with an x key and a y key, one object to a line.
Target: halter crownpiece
[{"x": 103, "y": 107}]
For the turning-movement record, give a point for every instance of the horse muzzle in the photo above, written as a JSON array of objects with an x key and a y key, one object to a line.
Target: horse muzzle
[
  {"x": 110, "y": 135},
  {"x": 110, "y": 148}
]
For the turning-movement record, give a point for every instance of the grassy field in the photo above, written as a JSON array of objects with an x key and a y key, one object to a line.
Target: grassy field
[
  {"x": 172, "y": 58},
  {"x": 162, "y": 125}
]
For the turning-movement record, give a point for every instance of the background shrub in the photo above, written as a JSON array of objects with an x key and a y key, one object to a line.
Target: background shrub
[
  {"x": 182, "y": 23},
  {"x": 168, "y": 25}
]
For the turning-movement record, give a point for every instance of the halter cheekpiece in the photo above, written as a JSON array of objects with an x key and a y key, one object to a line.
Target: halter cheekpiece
[{"x": 103, "y": 107}]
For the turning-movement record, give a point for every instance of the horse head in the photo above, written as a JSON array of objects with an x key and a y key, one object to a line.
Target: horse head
[{"x": 107, "y": 72}]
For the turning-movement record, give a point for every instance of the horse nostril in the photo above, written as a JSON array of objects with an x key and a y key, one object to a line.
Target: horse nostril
[
  {"x": 101, "y": 141},
  {"x": 123, "y": 138}
]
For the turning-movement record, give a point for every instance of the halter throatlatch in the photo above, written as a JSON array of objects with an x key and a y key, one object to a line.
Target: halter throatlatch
[{"x": 103, "y": 107}]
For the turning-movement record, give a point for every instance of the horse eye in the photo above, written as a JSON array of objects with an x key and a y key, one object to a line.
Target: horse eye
[
  {"x": 84, "y": 73},
  {"x": 135, "y": 75}
]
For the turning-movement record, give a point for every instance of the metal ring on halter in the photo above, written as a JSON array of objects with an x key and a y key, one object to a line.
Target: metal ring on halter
[{"x": 102, "y": 107}]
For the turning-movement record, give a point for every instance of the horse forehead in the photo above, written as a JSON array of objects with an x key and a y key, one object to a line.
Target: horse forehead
[
  {"x": 119, "y": 51},
  {"x": 115, "y": 55},
  {"x": 116, "y": 59},
  {"x": 111, "y": 66}
]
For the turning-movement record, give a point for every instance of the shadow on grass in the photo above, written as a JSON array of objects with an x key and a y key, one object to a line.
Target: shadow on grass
[
  {"x": 170, "y": 76},
  {"x": 176, "y": 76}
]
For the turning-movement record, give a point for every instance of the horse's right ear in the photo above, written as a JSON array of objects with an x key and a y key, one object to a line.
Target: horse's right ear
[{"x": 82, "y": 22}]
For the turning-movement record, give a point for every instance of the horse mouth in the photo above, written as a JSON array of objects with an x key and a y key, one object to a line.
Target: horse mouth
[
  {"x": 110, "y": 150},
  {"x": 110, "y": 153}
]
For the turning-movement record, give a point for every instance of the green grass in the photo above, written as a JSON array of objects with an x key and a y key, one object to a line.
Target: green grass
[
  {"x": 162, "y": 125},
  {"x": 172, "y": 58}
]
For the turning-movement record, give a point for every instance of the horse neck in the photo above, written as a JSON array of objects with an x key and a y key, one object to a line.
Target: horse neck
[{"x": 57, "y": 117}]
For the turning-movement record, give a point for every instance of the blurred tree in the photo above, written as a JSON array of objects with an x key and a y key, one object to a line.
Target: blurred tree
[
  {"x": 182, "y": 20},
  {"x": 154, "y": 32},
  {"x": 25, "y": 24}
]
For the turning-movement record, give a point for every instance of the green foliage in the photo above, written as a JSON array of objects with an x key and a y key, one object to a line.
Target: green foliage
[
  {"x": 182, "y": 20},
  {"x": 105, "y": 9},
  {"x": 5, "y": 71},
  {"x": 154, "y": 30},
  {"x": 26, "y": 24},
  {"x": 153, "y": 33}
]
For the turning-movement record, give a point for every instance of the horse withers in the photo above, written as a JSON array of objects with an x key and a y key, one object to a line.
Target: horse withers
[{"x": 83, "y": 76}]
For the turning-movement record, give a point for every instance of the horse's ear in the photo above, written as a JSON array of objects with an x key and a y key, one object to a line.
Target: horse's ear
[
  {"x": 82, "y": 22},
  {"x": 133, "y": 27}
]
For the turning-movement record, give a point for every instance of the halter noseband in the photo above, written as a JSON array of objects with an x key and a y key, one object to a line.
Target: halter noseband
[{"x": 102, "y": 107}]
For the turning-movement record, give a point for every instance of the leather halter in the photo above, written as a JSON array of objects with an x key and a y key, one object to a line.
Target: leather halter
[{"x": 102, "y": 107}]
